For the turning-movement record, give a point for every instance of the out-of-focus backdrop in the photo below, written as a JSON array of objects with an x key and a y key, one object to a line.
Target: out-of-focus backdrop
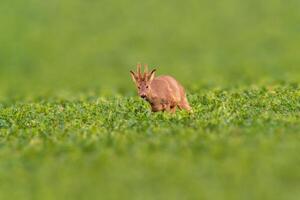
[{"x": 91, "y": 45}]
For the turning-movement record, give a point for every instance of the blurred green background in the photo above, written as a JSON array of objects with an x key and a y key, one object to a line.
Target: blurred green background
[{"x": 89, "y": 44}]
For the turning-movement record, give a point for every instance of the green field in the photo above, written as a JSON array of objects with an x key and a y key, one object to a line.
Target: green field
[{"x": 72, "y": 126}]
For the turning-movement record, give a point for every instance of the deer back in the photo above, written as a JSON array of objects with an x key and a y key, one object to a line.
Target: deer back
[{"x": 166, "y": 87}]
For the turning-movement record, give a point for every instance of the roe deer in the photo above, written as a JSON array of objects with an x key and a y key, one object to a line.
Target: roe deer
[{"x": 164, "y": 93}]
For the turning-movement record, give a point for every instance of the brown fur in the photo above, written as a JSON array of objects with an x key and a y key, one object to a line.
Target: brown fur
[{"x": 164, "y": 93}]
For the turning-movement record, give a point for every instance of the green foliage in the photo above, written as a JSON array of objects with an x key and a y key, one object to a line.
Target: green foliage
[
  {"x": 237, "y": 144},
  {"x": 72, "y": 128}
]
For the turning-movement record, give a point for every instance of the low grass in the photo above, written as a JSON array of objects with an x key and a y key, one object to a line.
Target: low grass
[{"x": 238, "y": 144}]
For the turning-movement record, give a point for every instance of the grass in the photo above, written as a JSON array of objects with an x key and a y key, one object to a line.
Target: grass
[
  {"x": 71, "y": 126},
  {"x": 238, "y": 144}
]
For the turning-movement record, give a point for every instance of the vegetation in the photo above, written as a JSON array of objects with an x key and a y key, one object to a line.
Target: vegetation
[{"x": 72, "y": 127}]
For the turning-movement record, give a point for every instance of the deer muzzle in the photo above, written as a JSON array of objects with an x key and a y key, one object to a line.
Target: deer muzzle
[{"x": 143, "y": 96}]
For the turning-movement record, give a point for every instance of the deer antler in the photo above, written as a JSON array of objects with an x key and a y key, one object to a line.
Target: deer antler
[
  {"x": 145, "y": 71},
  {"x": 139, "y": 65},
  {"x": 146, "y": 68}
]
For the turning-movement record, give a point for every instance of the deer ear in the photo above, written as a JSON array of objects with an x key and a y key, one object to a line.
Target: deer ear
[
  {"x": 133, "y": 76},
  {"x": 151, "y": 75}
]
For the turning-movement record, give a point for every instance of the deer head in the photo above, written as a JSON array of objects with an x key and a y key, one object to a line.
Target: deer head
[{"x": 143, "y": 81}]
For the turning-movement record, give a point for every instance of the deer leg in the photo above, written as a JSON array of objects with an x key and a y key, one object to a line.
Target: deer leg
[
  {"x": 166, "y": 107},
  {"x": 169, "y": 107},
  {"x": 184, "y": 105},
  {"x": 157, "y": 108},
  {"x": 173, "y": 109}
]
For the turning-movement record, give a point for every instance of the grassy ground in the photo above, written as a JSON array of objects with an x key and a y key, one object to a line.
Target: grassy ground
[
  {"x": 71, "y": 126},
  {"x": 238, "y": 144}
]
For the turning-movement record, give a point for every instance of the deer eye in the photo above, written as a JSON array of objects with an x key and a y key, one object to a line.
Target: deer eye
[{"x": 147, "y": 86}]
